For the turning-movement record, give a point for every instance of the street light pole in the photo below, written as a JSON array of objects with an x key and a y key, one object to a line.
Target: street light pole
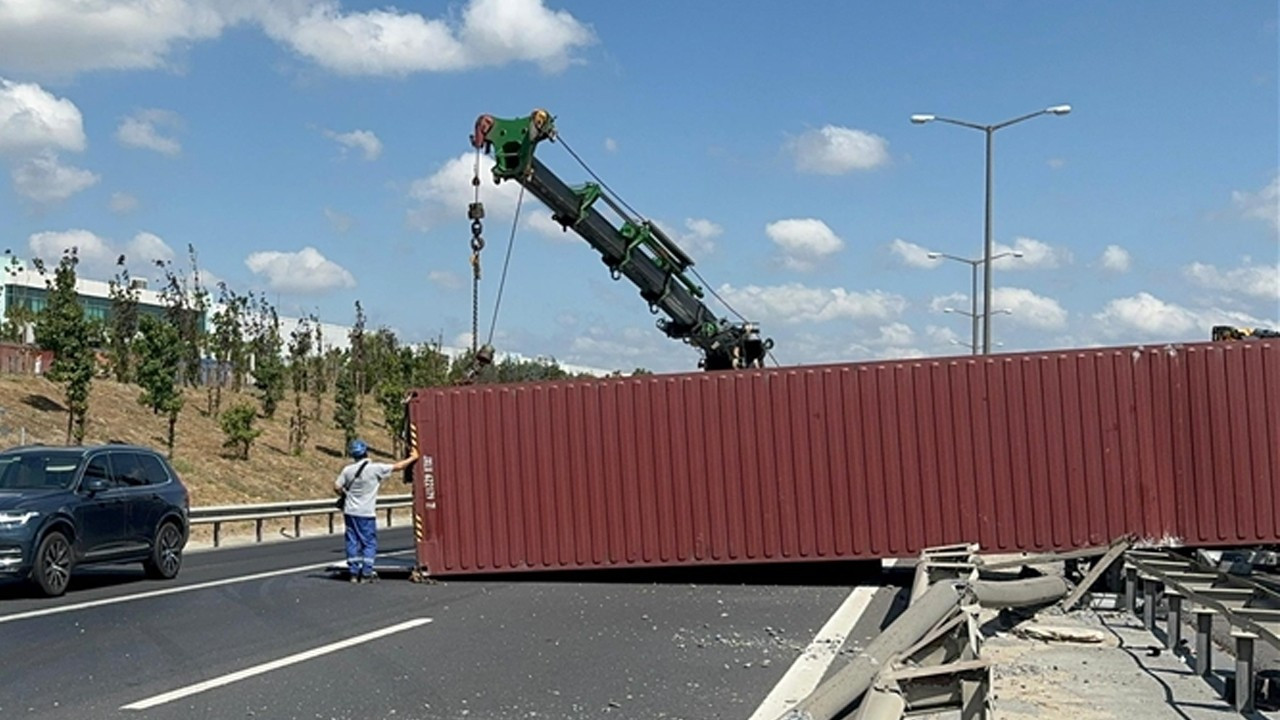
[
  {"x": 973, "y": 284},
  {"x": 988, "y": 242}
]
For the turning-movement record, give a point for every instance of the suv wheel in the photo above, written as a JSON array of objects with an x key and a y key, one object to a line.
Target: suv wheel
[
  {"x": 52, "y": 569},
  {"x": 166, "y": 553}
]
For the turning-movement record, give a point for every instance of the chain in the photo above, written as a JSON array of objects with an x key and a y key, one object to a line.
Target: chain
[{"x": 476, "y": 213}]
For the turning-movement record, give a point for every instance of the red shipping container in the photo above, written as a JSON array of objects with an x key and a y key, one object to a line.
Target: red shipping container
[{"x": 1179, "y": 444}]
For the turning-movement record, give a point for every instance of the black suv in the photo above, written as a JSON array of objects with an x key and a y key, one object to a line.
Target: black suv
[{"x": 67, "y": 506}]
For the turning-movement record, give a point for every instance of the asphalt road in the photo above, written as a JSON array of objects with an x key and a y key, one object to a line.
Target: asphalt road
[{"x": 264, "y": 632}]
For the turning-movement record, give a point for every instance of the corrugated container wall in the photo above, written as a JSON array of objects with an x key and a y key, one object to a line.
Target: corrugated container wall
[{"x": 1064, "y": 449}]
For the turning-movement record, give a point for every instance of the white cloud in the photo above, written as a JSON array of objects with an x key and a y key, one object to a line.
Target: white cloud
[
  {"x": 1029, "y": 309},
  {"x": 445, "y": 194},
  {"x": 625, "y": 350},
  {"x": 148, "y": 248},
  {"x": 1115, "y": 259},
  {"x": 795, "y": 303},
  {"x": 122, "y": 202},
  {"x": 341, "y": 222},
  {"x": 62, "y": 37},
  {"x": 954, "y": 300},
  {"x": 837, "y": 150},
  {"x": 363, "y": 140},
  {"x": 1036, "y": 255},
  {"x": 1146, "y": 315},
  {"x": 390, "y": 42},
  {"x": 98, "y": 255},
  {"x": 95, "y": 253},
  {"x": 445, "y": 279},
  {"x": 698, "y": 237},
  {"x": 306, "y": 272},
  {"x": 804, "y": 242},
  {"x": 610, "y": 145},
  {"x": 895, "y": 334},
  {"x": 46, "y": 180},
  {"x": 913, "y": 254},
  {"x": 32, "y": 119},
  {"x": 1261, "y": 281},
  {"x": 146, "y": 129},
  {"x": 1262, "y": 205}
]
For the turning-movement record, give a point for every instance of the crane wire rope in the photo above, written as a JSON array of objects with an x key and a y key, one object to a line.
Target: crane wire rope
[
  {"x": 625, "y": 204},
  {"x": 506, "y": 263}
]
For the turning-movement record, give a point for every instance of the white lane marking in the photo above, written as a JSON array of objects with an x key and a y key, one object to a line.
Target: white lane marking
[
  {"x": 273, "y": 665},
  {"x": 158, "y": 593},
  {"x": 806, "y": 672}
]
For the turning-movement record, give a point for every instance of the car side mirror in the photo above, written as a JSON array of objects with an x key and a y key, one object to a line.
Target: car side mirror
[{"x": 95, "y": 485}]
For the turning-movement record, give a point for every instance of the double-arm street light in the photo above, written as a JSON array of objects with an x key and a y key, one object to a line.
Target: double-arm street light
[
  {"x": 990, "y": 131},
  {"x": 973, "y": 292}
]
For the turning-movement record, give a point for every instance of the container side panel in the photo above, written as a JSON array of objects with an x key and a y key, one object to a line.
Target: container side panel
[
  {"x": 1222, "y": 477},
  {"x": 1000, "y": 461},
  {"x": 944, "y": 452},
  {"x": 932, "y": 508},
  {"x": 1163, "y": 474},
  {"x": 908, "y": 459},
  {"x": 1091, "y": 432}
]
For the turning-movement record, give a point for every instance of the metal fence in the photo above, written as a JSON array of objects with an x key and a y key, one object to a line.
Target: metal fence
[{"x": 297, "y": 509}]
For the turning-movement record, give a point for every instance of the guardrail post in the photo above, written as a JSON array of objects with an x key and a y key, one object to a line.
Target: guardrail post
[
  {"x": 389, "y": 517},
  {"x": 1173, "y": 623},
  {"x": 1204, "y": 641},
  {"x": 217, "y": 533},
  {"x": 330, "y": 523},
  {"x": 1131, "y": 589},
  {"x": 257, "y": 528},
  {"x": 1244, "y": 671},
  {"x": 297, "y": 526}
]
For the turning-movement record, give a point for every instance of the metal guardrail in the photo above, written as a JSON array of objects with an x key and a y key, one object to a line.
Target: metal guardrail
[
  {"x": 1250, "y": 607},
  {"x": 217, "y": 515}
]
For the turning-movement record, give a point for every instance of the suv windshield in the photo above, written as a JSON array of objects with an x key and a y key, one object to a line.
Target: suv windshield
[{"x": 38, "y": 469}]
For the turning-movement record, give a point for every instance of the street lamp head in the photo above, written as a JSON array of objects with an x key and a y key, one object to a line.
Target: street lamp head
[
  {"x": 1017, "y": 253},
  {"x": 933, "y": 255},
  {"x": 1059, "y": 109},
  {"x": 922, "y": 119},
  {"x": 948, "y": 310}
]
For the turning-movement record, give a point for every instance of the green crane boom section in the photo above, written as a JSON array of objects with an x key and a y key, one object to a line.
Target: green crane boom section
[{"x": 636, "y": 248}]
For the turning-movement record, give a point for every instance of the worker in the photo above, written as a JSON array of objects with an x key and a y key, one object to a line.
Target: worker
[{"x": 358, "y": 485}]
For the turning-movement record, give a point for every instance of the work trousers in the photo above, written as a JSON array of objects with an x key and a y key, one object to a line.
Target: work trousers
[{"x": 362, "y": 544}]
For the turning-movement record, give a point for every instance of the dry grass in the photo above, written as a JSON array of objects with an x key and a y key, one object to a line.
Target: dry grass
[{"x": 213, "y": 476}]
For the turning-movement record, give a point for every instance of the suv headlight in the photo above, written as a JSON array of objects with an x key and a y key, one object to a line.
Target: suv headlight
[{"x": 14, "y": 519}]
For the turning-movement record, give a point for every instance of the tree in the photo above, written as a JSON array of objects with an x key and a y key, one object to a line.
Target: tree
[
  {"x": 390, "y": 393},
  {"x": 357, "y": 363},
  {"x": 344, "y": 404},
  {"x": 122, "y": 324},
  {"x": 227, "y": 344},
  {"x": 299, "y": 371},
  {"x": 237, "y": 426},
  {"x": 265, "y": 347},
  {"x": 61, "y": 327},
  {"x": 186, "y": 301},
  {"x": 160, "y": 359},
  {"x": 317, "y": 380}
]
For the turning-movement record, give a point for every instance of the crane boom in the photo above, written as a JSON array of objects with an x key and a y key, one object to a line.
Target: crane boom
[{"x": 635, "y": 248}]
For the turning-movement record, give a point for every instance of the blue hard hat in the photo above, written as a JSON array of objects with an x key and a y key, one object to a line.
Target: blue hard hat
[{"x": 358, "y": 448}]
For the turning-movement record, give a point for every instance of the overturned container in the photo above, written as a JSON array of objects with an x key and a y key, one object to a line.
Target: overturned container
[{"x": 1176, "y": 444}]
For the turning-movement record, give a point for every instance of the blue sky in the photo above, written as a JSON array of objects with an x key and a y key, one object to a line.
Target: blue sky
[{"x": 317, "y": 151}]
